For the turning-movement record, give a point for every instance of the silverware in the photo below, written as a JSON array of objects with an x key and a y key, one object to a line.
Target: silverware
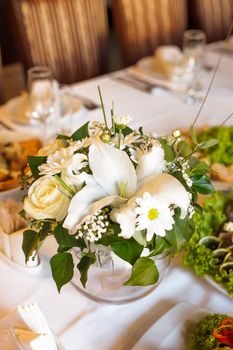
[
  {"x": 141, "y": 80},
  {"x": 86, "y": 101},
  {"x": 133, "y": 83},
  {"x": 5, "y": 125}
]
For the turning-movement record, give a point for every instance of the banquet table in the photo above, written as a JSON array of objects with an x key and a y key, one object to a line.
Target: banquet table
[{"x": 79, "y": 322}]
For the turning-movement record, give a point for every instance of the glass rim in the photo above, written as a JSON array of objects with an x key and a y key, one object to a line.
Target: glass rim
[
  {"x": 42, "y": 71},
  {"x": 194, "y": 34}
]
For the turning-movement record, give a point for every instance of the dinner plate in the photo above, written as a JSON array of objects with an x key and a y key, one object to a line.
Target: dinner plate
[
  {"x": 171, "y": 331},
  {"x": 14, "y": 193},
  {"x": 15, "y": 109},
  {"x": 216, "y": 285},
  {"x": 148, "y": 65}
]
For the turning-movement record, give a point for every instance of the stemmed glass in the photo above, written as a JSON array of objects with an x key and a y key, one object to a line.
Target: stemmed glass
[
  {"x": 41, "y": 101},
  {"x": 194, "y": 42}
]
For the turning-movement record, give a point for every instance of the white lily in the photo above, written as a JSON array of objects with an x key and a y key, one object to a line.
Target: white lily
[{"x": 117, "y": 185}]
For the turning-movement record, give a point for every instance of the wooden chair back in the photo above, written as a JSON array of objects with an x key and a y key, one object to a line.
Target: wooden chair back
[{"x": 70, "y": 36}]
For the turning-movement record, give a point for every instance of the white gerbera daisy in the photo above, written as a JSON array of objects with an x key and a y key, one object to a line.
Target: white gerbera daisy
[
  {"x": 153, "y": 216},
  {"x": 65, "y": 159},
  {"x": 122, "y": 121}
]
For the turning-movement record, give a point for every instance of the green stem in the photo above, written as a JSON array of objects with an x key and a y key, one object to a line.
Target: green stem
[
  {"x": 102, "y": 106},
  {"x": 64, "y": 185},
  {"x": 213, "y": 77},
  {"x": 112, "y": 114},
  {"x": 119, "y": 138},
  {"x": 229, "y": 116}
]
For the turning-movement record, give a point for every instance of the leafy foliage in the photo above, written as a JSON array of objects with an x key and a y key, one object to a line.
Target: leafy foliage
[
  {"x": 62, "y": 266},
  {"x": 30, "y": 243},
  {"x": 202, "y": 184},
  {"x": 198, "y": 256},
  {"x": 83, "y": 266},
  {"x": 81, "y": 133},
  {"x": 34, "y": 162},
  {"x": 144, "y": 273},
  {"x": 201, "y": 336},
  {"x": 127, "y": 249},
  {"x": 223, "y": 151}
]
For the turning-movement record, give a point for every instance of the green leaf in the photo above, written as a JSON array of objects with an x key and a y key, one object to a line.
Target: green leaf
[
  {"x": 80, "y": 133},
  {"x": 208, "y": 144},
  {"x": 140, "y": 237},
  {"x": 127, "y": 249},
  {"x": 181, "y": 232},
  {"x": 144, "y": 273},
  {"x": 63, "y": 137},
  {"x": 168, "y": 150},
  {"x": 184, "y": 149},
  {"x": 202, "y": 184},
  {"x": 30, "y": 243},
  {"x": 126, "y": 131},
  {"x": 62, "y": 266},
  {"x": 199, "y": 168},
  {"x": 65, "y": 240},
  {"x": 34, "y": 162},
  {"x": 193, "y": 135},
  {"x": 83, "y": 266},
  {"x": 161, "y": 245}
]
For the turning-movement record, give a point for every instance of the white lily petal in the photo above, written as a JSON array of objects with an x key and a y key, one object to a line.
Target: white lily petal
[
  {"x": 126, "y": 218},
  {"x": 151, "y": 163},
  {"x": 78, "y": 180},
  {"x": 111, "y": 168},
  {"x": 167, "y": 189},
  {"x": 114, "y": 201},
  {"x": 81, "y": 204}
]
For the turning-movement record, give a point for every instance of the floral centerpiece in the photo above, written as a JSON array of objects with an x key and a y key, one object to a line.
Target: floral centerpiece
[{"x": 108, "y": 185}]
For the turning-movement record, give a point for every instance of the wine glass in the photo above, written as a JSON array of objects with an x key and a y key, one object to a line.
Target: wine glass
[
  {"x": 41, "y": 100},
  {"x": 194, "y": 42}
]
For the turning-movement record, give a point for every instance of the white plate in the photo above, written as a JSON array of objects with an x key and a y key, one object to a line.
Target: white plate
[
  {"x": 14, "y": 193},
  {"x": 148, "y": 64},
  {"x": 171, "y": 331},
  {"x": 15, "y": 109},
  {"x": 216, "y": 285}
]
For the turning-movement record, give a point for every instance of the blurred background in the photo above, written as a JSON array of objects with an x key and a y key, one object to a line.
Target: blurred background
[{"x": 81, "y": 39}]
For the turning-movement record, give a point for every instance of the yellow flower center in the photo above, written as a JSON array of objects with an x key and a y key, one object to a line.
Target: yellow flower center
[{"x": 153, "y": 214}]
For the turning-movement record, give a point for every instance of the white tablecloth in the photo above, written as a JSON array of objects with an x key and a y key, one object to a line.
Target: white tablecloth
[{"x": 80, "y": 323}]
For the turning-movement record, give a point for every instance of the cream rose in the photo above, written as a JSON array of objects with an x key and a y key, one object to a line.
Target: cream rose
[{"x": 45, "y": 200}]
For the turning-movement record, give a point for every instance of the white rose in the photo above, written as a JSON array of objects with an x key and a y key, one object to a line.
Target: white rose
[{"x": 45, "y": 200}]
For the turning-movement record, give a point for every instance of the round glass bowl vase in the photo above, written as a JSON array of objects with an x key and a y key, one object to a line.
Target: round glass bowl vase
[{"x": 106, "y": 278}]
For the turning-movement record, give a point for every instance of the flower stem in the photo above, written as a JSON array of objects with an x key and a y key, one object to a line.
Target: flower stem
[
  {"x": 102, "y": 106},
  {"x": 112, "y": 114},
  {"x": 213, "y": 76},
  {"x": 119, "y": 138},
  {"x": 64, "y": 185}
]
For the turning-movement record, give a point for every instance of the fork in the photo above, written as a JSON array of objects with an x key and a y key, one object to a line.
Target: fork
[{"x": 86, "y": 101}]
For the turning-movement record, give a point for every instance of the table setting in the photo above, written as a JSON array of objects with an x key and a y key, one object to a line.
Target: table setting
[{"x": 117, "y": 232}]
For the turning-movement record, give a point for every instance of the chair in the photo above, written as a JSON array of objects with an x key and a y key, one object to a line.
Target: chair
[
  {"x": 212, "y": 16},
  {"x": 70, "y": 36},
  {"x": 142, "y": 25}
]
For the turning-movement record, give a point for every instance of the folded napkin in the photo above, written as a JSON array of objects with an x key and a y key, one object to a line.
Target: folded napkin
[
  {"x": 26, "y": 328},
  {"x": 12, "y": 226}
]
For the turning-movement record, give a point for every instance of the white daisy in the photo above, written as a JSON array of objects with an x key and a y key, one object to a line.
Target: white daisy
[
  {"x": 122, "y": 121},
  {"x": 153, "y": 216},
  {"x": 63, "y": 160}
]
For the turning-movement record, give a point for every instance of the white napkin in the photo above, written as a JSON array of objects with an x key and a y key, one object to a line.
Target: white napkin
[
  {"x": 12, "y": 226},
  {"x": 26, "y": 328}
]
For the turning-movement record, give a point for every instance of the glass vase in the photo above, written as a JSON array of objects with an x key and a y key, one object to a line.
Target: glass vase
[{"x": 106, "y": 278}]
